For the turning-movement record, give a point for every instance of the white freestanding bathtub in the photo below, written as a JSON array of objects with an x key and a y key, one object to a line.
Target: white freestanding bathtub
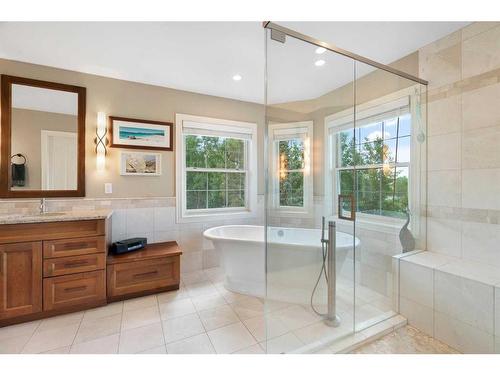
[{"x": 294, "y": 256}]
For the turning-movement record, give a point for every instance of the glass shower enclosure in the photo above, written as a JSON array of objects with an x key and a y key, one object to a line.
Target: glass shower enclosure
[{"x": 345, "y": 189}]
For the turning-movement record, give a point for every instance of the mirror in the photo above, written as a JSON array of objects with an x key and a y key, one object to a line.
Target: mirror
[{"x": 43, "y": 129}]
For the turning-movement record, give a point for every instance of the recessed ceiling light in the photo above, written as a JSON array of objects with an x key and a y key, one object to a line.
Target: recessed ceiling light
[
  {"x": 320, "y": 50},
  {"x": 320, "y": 63},
  {"x": 237, "y": 77}
]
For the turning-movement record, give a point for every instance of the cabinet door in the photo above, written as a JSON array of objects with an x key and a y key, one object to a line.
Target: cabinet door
[{"x": 20, "y": 279}]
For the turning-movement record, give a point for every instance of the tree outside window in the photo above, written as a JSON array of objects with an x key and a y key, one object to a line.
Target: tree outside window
[
  {"x": 215, "y": 172},
  {"x": 373, "y": 164}
]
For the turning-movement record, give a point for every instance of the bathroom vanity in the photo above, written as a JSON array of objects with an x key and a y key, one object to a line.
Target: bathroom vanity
[
  {"x": 52, "y": 263},
  {"x": 55, "y": 263}
]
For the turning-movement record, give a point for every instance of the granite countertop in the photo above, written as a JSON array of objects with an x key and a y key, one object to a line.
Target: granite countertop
[{"x": 55, "y": 216}]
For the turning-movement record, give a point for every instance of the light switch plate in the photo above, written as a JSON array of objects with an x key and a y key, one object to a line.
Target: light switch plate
[{"x": 108, "y": 188}]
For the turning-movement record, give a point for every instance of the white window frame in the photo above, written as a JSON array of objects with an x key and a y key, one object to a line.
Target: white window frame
[
  {"x": 215, "y": 127},
  {"x": 293, "y": 128},
  {"x": 344, "y": 120}
]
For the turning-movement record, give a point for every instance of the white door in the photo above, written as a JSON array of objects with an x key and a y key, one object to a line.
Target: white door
[{"x": 59, "y": 160}]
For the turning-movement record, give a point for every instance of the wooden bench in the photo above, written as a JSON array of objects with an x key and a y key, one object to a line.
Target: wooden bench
[{"x": 154, "y": 269}]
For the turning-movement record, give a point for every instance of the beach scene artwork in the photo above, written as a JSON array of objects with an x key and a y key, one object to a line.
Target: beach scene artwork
[
  {"x": 140, "y": 164},
  {"x": 135, "y": 134}
]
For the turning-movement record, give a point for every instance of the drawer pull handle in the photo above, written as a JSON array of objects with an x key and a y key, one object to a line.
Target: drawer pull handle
[
  {"x": 75, "y": 289},
  {"x": 78, "y": 245},
  {"x": 77, "y": 263},
  {"x": 145, "y": 274}
]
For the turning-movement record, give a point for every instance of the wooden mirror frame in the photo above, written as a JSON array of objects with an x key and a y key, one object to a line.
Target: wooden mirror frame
[{"x": 5, "y": 138}]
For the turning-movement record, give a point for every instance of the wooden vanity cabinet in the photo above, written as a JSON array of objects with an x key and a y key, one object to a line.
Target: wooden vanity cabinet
[
  {"x": 52, "y": 268},
  {"x": 20, "y": 279}
]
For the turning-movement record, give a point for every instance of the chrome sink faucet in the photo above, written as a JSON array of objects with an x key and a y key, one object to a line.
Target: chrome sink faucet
[{"x": 43, "y": 206}]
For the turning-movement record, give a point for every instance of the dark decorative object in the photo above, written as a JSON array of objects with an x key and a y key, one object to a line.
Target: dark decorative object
[
  {"x": 405, "y": 237},
  {"x": 18, "y": 172}
]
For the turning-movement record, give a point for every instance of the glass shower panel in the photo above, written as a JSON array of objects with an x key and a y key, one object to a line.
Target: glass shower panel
[
  {"x": 310, "y": 147},
  {"x": 389, "y": 165}
]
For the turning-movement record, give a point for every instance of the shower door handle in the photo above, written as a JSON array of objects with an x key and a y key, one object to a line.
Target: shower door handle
[{"x": 346, "y": 198}]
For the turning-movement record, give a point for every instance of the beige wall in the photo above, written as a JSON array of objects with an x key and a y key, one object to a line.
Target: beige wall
[
  {"x": 26, "y": 138},
  {"x": 463, "y": 70},
  {"x": 135, "y": 100}
]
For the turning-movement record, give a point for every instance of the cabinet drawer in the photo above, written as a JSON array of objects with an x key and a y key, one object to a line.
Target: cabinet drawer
[
  {"x": 74, "y": 246},
  {"x": 72, "y": 290},
  {"x": 141, "y": 276},
  {"x": 69, "y": 265},
  {"x": 10, "y": 233}
]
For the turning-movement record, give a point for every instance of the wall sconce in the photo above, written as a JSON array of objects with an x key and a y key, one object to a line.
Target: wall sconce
[{"x": 101, "y": 142}]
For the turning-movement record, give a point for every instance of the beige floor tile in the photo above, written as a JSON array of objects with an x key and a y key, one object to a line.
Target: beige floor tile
[
  {"x": 63, "y": 350},
  {"x": 254, "y": 349},
  {"x": 265, "y": 327},
  {"x": 139, "y": 303},
  {"x": 175, "y": 309},
  {"x": 218, "y": 317},
  {"x": 102, "y": 345},
  {"x": 271, "y": 305},
  {"x": 208, "y": 301},
  {"x": 103, "y": 311},
  {"x": 158, "y": 350},
  {"x": 182, "y": 327},
  {"x": 195, "y": 277},
  {"x": 140, "y": 317},
  {"x": 19, "y": 329},
  {"x": 295, "y": 317},
  {"x": 48, "y": 339},
  {"x": 201, "y": 289},
  {"x": 247, "y": 308},
  {"x": 60, "y": 321},
  {"x": 95, "y": 328},
  {"x": 231, "y": 338},
  {"x": 326, "y": 350},
  {"x": 140, "y": 339},
  {"x": 174, "y": 295},
  {"x": 199, "y": 344},
  {"x": 229, "y": 296},
  {"x": 13, "y": 345},
  {"x": 321, "y": 332},
  {"x": 282, "y": 344}
]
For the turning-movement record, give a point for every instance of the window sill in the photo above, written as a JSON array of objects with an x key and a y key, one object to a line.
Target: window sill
[
  {"x": 275, "y": 212},
  {"x": 373, "y": 224},
  {"x": 219, "y": 216}
]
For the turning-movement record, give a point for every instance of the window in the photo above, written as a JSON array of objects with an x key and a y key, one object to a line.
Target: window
[
  {"x": 214, "y": 167},
  {"x": 291, "y": 160},
  {"x": 372, "y": 161}
]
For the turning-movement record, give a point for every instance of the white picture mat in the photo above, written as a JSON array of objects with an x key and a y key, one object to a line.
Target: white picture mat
[{"x": 125, "y": 154}]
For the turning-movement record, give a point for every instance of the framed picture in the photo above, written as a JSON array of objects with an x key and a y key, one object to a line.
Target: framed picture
[
  {"x": 133, "y": 163},
  {"x": 141, "y": 134}
]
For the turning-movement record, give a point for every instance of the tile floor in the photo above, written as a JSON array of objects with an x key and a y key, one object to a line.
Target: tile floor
[
  {"x": 201, "y": 317},
  {"x": 405, "y": 340}
]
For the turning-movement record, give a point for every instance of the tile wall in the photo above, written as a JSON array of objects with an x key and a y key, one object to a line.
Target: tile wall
[
  {"x": 463, "y": 70},
  {"x": 153, "y": 218}
]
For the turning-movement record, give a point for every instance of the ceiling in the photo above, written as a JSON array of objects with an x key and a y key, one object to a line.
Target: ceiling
[{"x": 204, "y": 56}]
